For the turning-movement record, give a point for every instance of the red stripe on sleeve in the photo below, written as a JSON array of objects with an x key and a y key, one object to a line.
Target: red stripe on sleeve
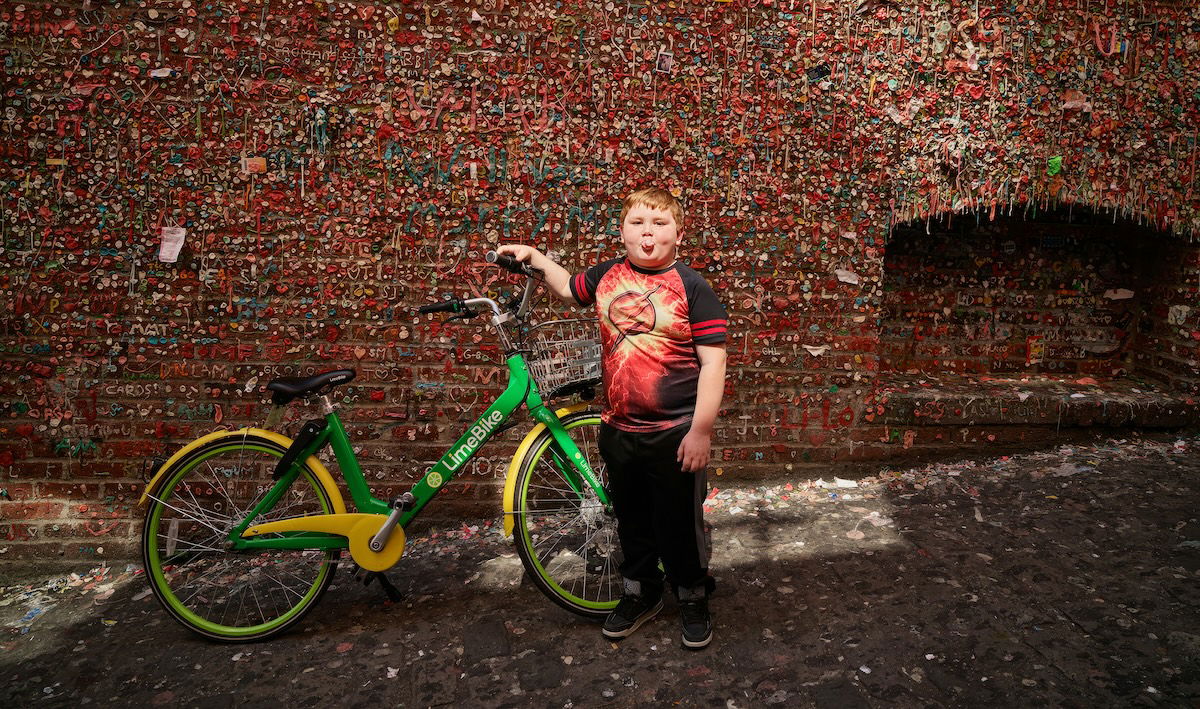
[
  {"x": 708, "y": 327},
  {"x": 581, "y": 287}
]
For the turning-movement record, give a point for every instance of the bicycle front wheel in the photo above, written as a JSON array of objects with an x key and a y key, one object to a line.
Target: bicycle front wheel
[
  {"x": 220, "y": 593},
  {"x": 566, "y": 539}
]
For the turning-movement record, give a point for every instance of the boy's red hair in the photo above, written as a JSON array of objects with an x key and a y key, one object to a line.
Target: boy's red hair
[{"x": 654, "y": 198}]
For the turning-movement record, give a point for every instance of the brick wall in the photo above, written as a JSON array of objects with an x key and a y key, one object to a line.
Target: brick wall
[
  {"x": 1067, "y": 294},
  {"x": 332, "y": 166},
  {"x": 1168, "y": 339}
]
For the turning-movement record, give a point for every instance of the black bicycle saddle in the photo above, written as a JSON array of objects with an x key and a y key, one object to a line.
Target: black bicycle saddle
[{"x": 288, "y": 388}]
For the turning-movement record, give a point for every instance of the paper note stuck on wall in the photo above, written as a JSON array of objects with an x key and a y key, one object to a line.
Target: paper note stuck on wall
[{"x": 172, "y": 242}]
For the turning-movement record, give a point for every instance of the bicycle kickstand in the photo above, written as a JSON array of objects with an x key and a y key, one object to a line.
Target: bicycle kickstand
[
  {"x": 366, "y": 577},
  {"x": 399, "y": 505}
]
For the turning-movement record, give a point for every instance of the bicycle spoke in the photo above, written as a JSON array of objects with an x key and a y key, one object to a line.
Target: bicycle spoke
[
  {"x": 205, "y": 583},
  {"x": 563, "y": 489},
  {"x": 185, "y": 514},
  {"x": 567, "y": 493},
  {"x": 224, "y": 492},
  {"x": 211, "y": 539},
  {"x": 604, "y": 573},
  {"x": 558, "y": 511},
  {"x": 241, "y": 601},
  {"x": 556, "y": 474},
  {"x": 555, "y": 532},
  {"x": 587, "y": 541},
  {"x": 303, "y": 582},
  {"x": 193, "y": 546},
  {"x": 198, "y": 506},
  {"x": 284, "y": 512}
]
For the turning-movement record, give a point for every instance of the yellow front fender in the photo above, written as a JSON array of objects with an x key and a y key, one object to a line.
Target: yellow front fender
[
  {"x": 510, "y": 481},
  {"x": 319, "y": 470}
]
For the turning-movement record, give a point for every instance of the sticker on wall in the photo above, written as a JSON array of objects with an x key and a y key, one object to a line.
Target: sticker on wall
[
  {"x": 664, "y": 61},
  {"x": 1035, "y": 350}
]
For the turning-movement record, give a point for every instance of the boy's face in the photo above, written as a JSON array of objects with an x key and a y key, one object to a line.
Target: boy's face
[{"x": 651, "y": 237}]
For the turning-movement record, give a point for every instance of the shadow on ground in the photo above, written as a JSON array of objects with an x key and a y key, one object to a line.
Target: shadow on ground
[{"x": 1061, "y": 578}]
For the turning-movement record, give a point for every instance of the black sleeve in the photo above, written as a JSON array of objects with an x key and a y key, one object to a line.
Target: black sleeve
[
  {"x": 705, "y": 312},
  {"x": 583, "y": 285}
]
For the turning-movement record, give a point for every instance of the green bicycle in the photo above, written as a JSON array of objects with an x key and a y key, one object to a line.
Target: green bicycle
[{"x": 244, "y": 529}]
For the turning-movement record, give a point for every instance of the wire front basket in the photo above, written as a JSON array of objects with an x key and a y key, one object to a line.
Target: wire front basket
[{"x": 564, "y": 356}]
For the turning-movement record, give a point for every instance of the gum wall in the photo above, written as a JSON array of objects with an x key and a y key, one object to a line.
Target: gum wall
[{"x": 933, "y": 224}]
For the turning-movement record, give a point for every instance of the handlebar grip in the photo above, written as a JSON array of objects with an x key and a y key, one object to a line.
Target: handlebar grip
[
  {"x": 447, "y": 306},
  {"x": 507, "y": 262}
]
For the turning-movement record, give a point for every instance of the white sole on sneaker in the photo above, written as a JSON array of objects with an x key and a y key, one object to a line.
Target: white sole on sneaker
[
  {"x": 618, "y": 634},
  {"x": 697, "y": 644}
]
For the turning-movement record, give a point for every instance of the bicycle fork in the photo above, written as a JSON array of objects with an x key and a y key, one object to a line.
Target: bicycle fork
[{"x": 571, "y": 463}]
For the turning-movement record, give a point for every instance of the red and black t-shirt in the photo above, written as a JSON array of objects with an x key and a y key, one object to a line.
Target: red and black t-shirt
[{"x": 650, "y": 324}]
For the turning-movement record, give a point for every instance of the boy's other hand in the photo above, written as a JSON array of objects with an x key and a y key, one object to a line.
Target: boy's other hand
[{"x": 694, "y": 451}]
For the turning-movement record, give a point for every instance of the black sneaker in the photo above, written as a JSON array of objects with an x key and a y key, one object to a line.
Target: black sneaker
[
  {"x": 631, "y": 612},
  {"x": 693, "y": 616}
]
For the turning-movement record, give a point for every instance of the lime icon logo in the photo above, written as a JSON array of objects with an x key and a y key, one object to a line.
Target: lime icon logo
[{"x": 434, "y": 479}]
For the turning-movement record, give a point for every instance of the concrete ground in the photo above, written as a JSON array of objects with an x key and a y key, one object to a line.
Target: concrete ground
[{"x": 1064, "y": 578}]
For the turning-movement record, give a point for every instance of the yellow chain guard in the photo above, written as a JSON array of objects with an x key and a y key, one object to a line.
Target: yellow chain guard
[{"x": 356, "y": 527}]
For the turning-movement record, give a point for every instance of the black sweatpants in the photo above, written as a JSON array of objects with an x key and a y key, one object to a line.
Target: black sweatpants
[{"x": 659, "y": 507}]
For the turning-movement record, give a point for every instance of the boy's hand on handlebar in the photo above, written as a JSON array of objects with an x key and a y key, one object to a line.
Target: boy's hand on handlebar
[
  {"x": 520, "y": 252},
  {"x": 509, "y": 263},
  {"x": 555, "y": 276}
]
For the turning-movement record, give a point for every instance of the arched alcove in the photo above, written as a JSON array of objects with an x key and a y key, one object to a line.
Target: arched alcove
[{"x": 1066, "y": 316}]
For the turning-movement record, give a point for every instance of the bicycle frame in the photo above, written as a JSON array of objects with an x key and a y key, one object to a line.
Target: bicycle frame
[{"x": 521, "y": 389}]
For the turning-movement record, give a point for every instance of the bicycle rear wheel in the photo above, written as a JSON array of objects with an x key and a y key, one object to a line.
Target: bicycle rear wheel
[
  {"x": 568, "y": 540},
  {"x": 222, "y": 594}
]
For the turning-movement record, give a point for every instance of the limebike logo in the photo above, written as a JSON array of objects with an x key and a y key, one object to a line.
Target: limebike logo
[{"x": 479, "y": 432}]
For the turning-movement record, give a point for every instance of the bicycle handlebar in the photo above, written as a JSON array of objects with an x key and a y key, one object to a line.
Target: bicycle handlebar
[
  {"x": 518, "y": 307},
  {"x": 447, "y": 306},
  {"x": 508, "y": 263}
]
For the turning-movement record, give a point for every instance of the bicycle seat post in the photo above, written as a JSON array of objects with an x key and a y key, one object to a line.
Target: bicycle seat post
[{"x": 325, "y": 404}]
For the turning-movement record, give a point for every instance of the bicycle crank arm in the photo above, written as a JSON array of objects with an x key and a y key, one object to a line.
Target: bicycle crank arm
[{"x": 358, "y": 528}]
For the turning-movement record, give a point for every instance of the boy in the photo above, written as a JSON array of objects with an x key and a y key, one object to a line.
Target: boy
[{"x": 662, "y": 334}]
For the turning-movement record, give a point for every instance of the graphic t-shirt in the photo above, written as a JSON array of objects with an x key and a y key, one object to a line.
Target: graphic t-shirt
[{"x": 650, "y": 324}]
